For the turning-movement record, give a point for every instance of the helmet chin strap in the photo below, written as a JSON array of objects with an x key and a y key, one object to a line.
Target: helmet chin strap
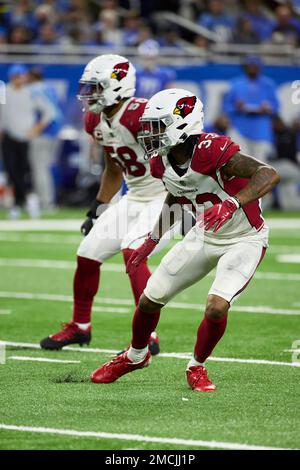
[{"x": 167, "y": 146}]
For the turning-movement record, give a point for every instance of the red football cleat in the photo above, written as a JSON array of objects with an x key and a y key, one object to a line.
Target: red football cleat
[
  {"x": 198, "y": 380},
  {"x": 119, "y": 366},
  {"x": 70, "y": 334}
]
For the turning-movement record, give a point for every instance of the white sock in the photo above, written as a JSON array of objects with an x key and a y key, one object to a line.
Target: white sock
[
  {"x": 83, "y": 326},
  {"x": 193, "y": 363},
  {"x": 137, "y": 355}
]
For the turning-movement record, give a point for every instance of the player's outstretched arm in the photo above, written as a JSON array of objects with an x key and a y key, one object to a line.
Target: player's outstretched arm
[
  {"x": 111, "y": 182},
  {"x": 262, "y": 177},
  {"x": 169, "y": 214}
]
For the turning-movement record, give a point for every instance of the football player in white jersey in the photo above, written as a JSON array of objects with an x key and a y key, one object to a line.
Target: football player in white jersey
[
  {"x": 112, "y": 117},
  {"x": 223, "y": 185}
]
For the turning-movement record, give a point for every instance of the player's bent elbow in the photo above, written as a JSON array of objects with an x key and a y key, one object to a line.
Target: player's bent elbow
[{"x": 274, "y": 176}]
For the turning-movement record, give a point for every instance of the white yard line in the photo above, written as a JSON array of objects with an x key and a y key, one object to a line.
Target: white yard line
[
  {"x": 285, "y": 234},
  {"x": 120, "y": 268},
  {"x": 42, "y": 359},
  {"x": 60, "y": 298},
  {"x": 289, "y": 258},
  {"x": 172, "y": 355},
  {"x": 53, "y": 264},
  {"x": 254, "y": 361},
  {"x": 138, "y": 438},
  {"x": 239, "y": 308},
  {"x": 15, "y": 344},
  {"x": 37, "y": 263},
  {"x": 271, "y": 276},
  {"x": 263, "y": 309},
  {"x": 74, "y": 224},
  {"x": 40, "y": 238},
  {"x": 75, "y": 240},
  {"x": 284, "y": 224},
  {"x": 64, "y": 225},
  {"x": 283, "y": 249},
  {"x": 5, "y": 311},
  {"x": 36, "y": 296},
  {"x": 111, "y": 309}
]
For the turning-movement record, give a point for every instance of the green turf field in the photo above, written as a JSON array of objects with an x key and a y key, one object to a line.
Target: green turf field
[{"x": 257, "y": 403}]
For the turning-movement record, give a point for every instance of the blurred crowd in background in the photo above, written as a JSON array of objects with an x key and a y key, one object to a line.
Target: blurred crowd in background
[
  {"x": 112, "y": 23},
  {"x": 38, "y": 139},
  {"x": 30, "y": 123}
]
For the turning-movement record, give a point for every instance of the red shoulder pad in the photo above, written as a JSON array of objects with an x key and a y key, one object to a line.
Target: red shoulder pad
[
  {"x": 157, "y": 167},
  {"x": 91, "y": 120},
  {"x": 131, "y": 116},
  {"x": 212, "y": 152}
]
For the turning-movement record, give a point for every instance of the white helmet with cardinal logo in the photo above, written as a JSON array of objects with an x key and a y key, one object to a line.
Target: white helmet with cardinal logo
[
  {"x": 106, "y": 80},
  {"x": 170, "y": 117}
]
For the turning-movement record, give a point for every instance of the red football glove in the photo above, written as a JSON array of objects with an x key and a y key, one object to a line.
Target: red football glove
[
  {"x": 218, "y": 214},
  {"x": 140, "y": 254}
]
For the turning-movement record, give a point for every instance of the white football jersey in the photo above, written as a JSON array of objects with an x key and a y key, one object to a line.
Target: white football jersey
[
  {"x": 119, "y": 139},
  {"x": 202, "y": 185}
]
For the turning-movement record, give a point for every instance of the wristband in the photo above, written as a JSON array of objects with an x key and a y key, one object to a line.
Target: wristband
[
  {"x": 153, "y": 238},
  {"x": 236, "y": 201}
]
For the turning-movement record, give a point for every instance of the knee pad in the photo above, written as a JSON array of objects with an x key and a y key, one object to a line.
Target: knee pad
[
  {"x": 158, "y": 286},
  {"x": 176, "y": 259}
]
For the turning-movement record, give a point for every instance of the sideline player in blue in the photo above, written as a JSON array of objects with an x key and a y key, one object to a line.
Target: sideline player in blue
[
  {"x": 45, "y": 141},
  {"x": 251, "y": 103},
  {"x": 151, "y": 77}
]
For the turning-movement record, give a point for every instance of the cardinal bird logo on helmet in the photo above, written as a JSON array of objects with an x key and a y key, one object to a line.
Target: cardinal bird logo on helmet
[
  {"x": 120, "y": 71},
  {"x": 185, "y": 106}
]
